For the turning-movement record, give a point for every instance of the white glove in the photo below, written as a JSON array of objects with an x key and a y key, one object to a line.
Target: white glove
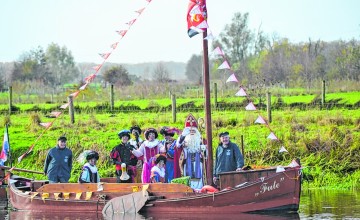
[
  {"x": 203, "y": 147},
  {"x": 185, "y": 132}
]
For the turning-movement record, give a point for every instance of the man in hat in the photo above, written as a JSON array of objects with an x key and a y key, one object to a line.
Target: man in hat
[
  {"x": 122, "y": 154},
  {"x": 228, "y": 156},
  {"x": 172, "y": 153},
  {"x": 136, "y": 141},
  {"x": 148, "y": 149},
  {"x": 58, "y": 162},
  {"x": 194, "y": 152}
]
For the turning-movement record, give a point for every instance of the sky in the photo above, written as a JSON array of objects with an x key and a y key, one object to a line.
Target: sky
[{"x": 88, "y": 27}]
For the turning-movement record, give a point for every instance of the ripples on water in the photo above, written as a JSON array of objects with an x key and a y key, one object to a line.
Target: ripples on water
[{"x": 314, "y": 204}]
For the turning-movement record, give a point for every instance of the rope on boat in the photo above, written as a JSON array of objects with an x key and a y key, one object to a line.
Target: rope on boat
[{"x": 296, "y": 178}]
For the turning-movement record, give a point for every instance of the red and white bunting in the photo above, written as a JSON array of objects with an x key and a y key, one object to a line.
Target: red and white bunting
[
  {"x": 55, "y": 114},
  {"x": 45, "y": 124},
  {"x": 96, "y": 68},
  {"x": 131, "y": 22},
  {"x": 64, "y": 106},
  {"x": 148, "y": 0},
  {"x": 140, "y": 11},
  {"x": 218, "y": 51},
  {"x": 250, "y": 107},
  {"x": 83, "y": 86},
  {"x": 90, "y": 78},
  {"x": 224, "y": 65},
  {"x": 75, "y": 94},
  {"x": 114, "y": 45},
  {"x": 272, "y": 136},
  {"x": 283, "y": 149},
  {"x": 241, "y": 92},
  {"x": 210, "y": 36},
  {"x": 104, "y": 55},
  {"x": 122, "y": 32},
  {"x": 260, "y": 120},
  {"x": 294, "y": 164},
  {"x": 21, "y": 157},
  {"x": 232, "y": 78}
]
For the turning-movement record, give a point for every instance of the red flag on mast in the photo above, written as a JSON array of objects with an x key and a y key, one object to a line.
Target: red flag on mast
[{"x": 196, "y": 17}]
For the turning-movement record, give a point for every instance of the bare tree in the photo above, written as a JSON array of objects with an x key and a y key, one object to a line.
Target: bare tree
[{"x": 161, "y": 73}]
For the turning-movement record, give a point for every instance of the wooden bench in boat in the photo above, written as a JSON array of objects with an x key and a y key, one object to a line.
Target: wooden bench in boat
[{"x": 114, "y": 187}]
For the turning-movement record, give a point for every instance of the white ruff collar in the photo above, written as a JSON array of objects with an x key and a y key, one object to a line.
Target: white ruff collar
[{"x": 151, "y": 144}]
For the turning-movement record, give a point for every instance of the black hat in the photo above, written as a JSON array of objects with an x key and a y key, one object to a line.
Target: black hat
[
  {"x": 62, "y": 138},
  {"x": 124, "y": 132},
  {"x": 135, "y": 127},
  {"x": 150, "y": 130},
  {"x": 223, "y": 134},
  {"x": 160, "y": 158},
  {"x": 91, "y": 155},
  {"x": 166, "y": 131}
]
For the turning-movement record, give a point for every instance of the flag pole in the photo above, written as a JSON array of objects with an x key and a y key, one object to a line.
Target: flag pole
[
  {"x": 209, "y": 168},
  {"x": 7, "y": 134}
]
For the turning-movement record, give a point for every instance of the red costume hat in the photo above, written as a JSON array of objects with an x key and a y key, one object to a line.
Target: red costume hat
[{"x": 191, "y": 121}]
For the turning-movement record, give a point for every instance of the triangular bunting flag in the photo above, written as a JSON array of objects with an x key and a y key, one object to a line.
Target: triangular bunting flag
[
  {"x": 209, "y": 37},
  {"x": 114, "y": 45},
  {"x": 218, "y": 51},
  {"x": 90, "y": 78},
  {"x": 224, "y": 65},
  {"x": 272, "y": 136},
  {"x": 232, "y": 78},
  {"x": 104, "y": 55},
  {"x": 21, "y": 157},
  {"x": 260, "y": 120},
  {"x": 241, "y": 92},
  {"x": 131, "y": 22},
  {"x": 64, "y": 106},
  {"x": 250, "y": 107},
  {"x": 282, "y": 149},
  {"x": 122, "y": 32},
  {"x": 96, "y": 68},
  {"x": 83, "y": 86},
  {"x": 45, "y": 124},
  {"x": 203, "y": 25},
  {"x": 280, "y": 169},
  {"x": 149, "y": 1},
  {"x": 294, "y": 164},
  {"x": 140, "y": 11},
  {"x": 55, "y": 114},
  {"x": 75, "y": 94}
]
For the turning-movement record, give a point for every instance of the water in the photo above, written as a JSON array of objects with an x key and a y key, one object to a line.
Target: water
[{"x": 315, "y": 204}]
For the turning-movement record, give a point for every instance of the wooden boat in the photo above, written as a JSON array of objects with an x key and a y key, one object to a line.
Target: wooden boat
[{"x": 245, "y": 191}]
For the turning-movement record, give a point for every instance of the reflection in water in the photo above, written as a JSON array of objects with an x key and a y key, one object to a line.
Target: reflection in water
[{"x": 314, "y": 204}]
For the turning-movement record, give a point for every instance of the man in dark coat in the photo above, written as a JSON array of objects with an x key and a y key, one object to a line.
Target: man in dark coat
[{"x": 58, "y": 162}]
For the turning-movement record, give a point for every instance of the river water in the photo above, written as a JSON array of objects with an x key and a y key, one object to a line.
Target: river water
[{"x": 314, "y": 204}]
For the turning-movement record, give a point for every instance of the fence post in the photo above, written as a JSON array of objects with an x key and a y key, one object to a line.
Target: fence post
[
  {"x": 215, "y": 91},
  {"x": 111, "y": 97},
  {"x": 173, "y": 107},
  {"x": 71, "y": 109},
  {"x": 323, "y": 93},
  {"x": 10, "y": 99},
  {"x": 242, "y": 144},
  {"x": 268, "y": 106}
]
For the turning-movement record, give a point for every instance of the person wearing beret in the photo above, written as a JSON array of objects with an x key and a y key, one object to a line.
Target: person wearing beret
[
  {"x": 58, "y": 162},
  {"x": 228, "y": 156}
]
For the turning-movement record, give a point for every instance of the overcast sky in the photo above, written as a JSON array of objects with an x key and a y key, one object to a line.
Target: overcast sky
[{"x": 87, "y": 27}]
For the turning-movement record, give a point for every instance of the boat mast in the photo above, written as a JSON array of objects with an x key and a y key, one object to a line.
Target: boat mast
[{"x": 206, "y": 77}]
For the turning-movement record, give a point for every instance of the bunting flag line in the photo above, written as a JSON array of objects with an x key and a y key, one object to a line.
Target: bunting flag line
[
  {"x": 283, "y": 149},
  {"x": 232, "y": 78},
  {"x": 272, "y": 136},
  {"x": 196, "y": 17},
  {"x": 260, "y": 120},
  {"x": 224, "y": 65},
  {"x": 218, "y": 51},
  {"x": 250, "y": 107},
  {"x": 210, "y": 36},
  {"x": 140, "y": 11},
  {"x": 75, "y": 94},
  {"x": 83, "y": 86},
  {"x": 294, "y": 164},
  {"x": 104, "y": 55},
  {"x": 130, "y": 23},
  {"x": 113, "y": 46},
  {"x": 45, "y": 124},
  {"x": 64, "y": 106},
  {"x": 5, "y": 147},
  {"x": 241, "y": 92},
  {"x": 55, "y": 114},
  {"x": 96, "y": 68},
  {"x": 122, "y": 32},
  {"x": 280, "y": 169}
]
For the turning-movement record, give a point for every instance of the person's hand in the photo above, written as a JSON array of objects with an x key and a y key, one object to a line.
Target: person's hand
[
  {"x": 238, "y": 169},
  {"x": 203, "y": 147},
  {"x": 185, "y": 132}
]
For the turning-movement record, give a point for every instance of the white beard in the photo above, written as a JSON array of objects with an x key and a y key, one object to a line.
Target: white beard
[{"x": 192, "y": 142}]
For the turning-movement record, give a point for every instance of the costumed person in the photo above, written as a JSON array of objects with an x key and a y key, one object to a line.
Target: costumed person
[
  {"x": 172, "y": 153},
  {"x": 228, "y": 156},
  {"x": 194, "y": 152},
  {"x": 89, "y": 173},
  {"x": 136, "y": 141},
  {"x": 58, "y": 162},
  {"x": 148, "y": 149},
  {"x": 158, "y": 171},
  {"x": 121, "y": 154}
]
